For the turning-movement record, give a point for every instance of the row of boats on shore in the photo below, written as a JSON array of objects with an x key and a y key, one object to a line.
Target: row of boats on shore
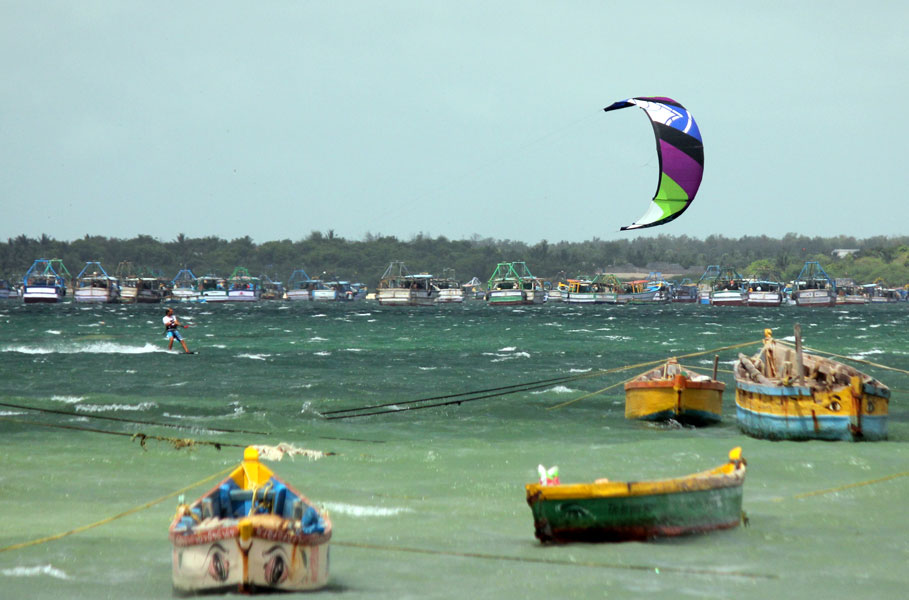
[
  {"x": 510, "y": 284},
  {"x": 253, "y": 531}
]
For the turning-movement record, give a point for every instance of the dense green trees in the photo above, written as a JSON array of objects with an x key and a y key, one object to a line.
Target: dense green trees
[{"x": 878, "y": 258}]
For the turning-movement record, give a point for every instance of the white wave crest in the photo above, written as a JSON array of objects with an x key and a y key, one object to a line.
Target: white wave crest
[
  {"x": 559, "y": 389},
  {"x": 97, "y": 408},
  {"x": 87, "y": 348},
  {"x": 34, "y": 572},
  {"x": 364, "y": 511},
  {"x": 254, "y": 356},
  {"x": 68, "y": 399}
]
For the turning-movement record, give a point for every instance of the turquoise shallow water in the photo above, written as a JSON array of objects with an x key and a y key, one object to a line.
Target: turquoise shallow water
[{"x": 430, "y": 503}]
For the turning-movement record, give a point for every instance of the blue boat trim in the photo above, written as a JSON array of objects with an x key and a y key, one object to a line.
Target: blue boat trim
[{"x": 772, "y": 390}]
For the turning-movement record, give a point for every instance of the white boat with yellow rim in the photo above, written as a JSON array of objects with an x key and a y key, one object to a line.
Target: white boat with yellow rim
[{"x": 251, "y": 532}]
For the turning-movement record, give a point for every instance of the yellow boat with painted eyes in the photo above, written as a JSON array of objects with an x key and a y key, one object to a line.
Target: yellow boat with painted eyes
[{"x": 251, "y": 532}]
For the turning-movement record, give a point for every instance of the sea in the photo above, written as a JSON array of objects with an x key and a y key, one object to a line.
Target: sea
[{"x": 101, "y": 426}]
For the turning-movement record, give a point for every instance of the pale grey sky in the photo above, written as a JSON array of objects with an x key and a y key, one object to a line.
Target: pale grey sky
[{"x": 454, "y": 118}]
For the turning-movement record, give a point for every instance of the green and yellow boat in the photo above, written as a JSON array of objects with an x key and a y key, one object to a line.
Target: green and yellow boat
[{"x": 616, "y": 511}]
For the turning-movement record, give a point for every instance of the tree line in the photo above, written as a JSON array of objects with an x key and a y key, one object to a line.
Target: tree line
[{"x": 325, "y": 255}]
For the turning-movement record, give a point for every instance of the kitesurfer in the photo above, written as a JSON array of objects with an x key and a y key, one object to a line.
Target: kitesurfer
[{"x": 171, "y": 326}]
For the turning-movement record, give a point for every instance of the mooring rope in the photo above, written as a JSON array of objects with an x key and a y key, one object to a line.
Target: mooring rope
[
  {"x": 178, "y": 443},
  {"x": 552, "y": 561},
  {"x": 463, "y": 397},
  {"x": 858, "y": 360},
  {"x": 845, "y": 486},
  {"x": 122, "y": 420},
  {"x": 650, "y": 364},
  {"x": 125, "y": 513},
  {"x": 562, "y": 379}
]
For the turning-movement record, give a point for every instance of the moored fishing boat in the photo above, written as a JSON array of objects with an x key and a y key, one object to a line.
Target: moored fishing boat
[
  {"x": 784, "y": 393},
  {"x": 727, "y": 288},
  {"x": 45, "y": 281},
  {"x": 555, "y": 292},
  {"x": 685, "y": 292},
  {"x": 813, "y": 287},
  {"x": 212, "y": 288},
  {"x": 671, "y": 391},
  {"x": 652, "y": 290},
  {"x": 271, "y": 289},
  {"x": 300, "y": 286},
  {"x": 512, "y": 283},
  {"x": 450, "y": 290},
  {"x": 399, "y": 287},
  {"x": 184, "y": 287},
  {"x": 6, "y": 291},
  {"x": 848, "y": 292},
  {"x": 878, "y": 294},
  {"x": 764, "y": 291},
  {"x": 243, "y": 287},
  {"x": 590, "y": 291},
  {"x": 251, "y": 532},
  {"x": 94, "y": 285},
  {"x": 617, "y": 511}
]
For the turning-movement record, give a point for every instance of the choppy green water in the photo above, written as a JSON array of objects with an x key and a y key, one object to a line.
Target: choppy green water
[{"x": 430, "y": 503}]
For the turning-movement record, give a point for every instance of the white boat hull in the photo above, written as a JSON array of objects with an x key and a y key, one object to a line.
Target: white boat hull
[
  {"x": 450, "y": 296},
  {"x": 34, "y": 294},
  {"x": 406, "y": 297},
  {"x": 764, "y": 298},
  {"x": 243, "y": 295},
  {"x": 589, "y": 297},
  {"x": 727, "y": 298},
  {"x": 297, "y": 295},
  {"x": 220, "y": 559},
  {"x": 815, "y": 298},
  {"x": 96, "y": 295},
  {"x": 214, "y": 296}
]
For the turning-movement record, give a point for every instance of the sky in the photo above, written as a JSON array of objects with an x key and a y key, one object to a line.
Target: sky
[{"x": 460, "y": 118}]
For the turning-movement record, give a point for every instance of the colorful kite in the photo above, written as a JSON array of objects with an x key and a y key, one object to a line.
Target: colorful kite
[{"x": 681, "y": 153}]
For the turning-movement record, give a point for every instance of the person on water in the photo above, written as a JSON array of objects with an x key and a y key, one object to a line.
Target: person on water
[{"x": 171, "y": 327}]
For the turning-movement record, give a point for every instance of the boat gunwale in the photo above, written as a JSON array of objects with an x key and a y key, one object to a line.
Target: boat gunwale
[{"x": 730, "y": 474}]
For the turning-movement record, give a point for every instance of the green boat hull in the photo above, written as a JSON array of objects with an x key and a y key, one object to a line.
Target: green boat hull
[{"x": 636, "y": 517}]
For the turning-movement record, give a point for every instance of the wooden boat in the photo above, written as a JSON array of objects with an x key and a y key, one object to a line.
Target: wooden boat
[
  {"x": 589, "y": 291},
  {"x": 45, "y": 281},
  {"x": 783, "y": 393},
  {"x": 653, "y": 290},
  {"x": 672, "y": 392},
  {"x": 615, "y": 511},
  {"x": 813, "y": 287},
  {"x": 94, "y": 285},
  {"x": 399, "y": 287},
  {"x": 251, "y": 532},
  {"x": 511, "y": 284},
  {"x": 271, "y": 289}
]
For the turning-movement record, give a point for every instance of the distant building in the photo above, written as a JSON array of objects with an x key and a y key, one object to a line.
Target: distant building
[{"x": 841, "y": 252}]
